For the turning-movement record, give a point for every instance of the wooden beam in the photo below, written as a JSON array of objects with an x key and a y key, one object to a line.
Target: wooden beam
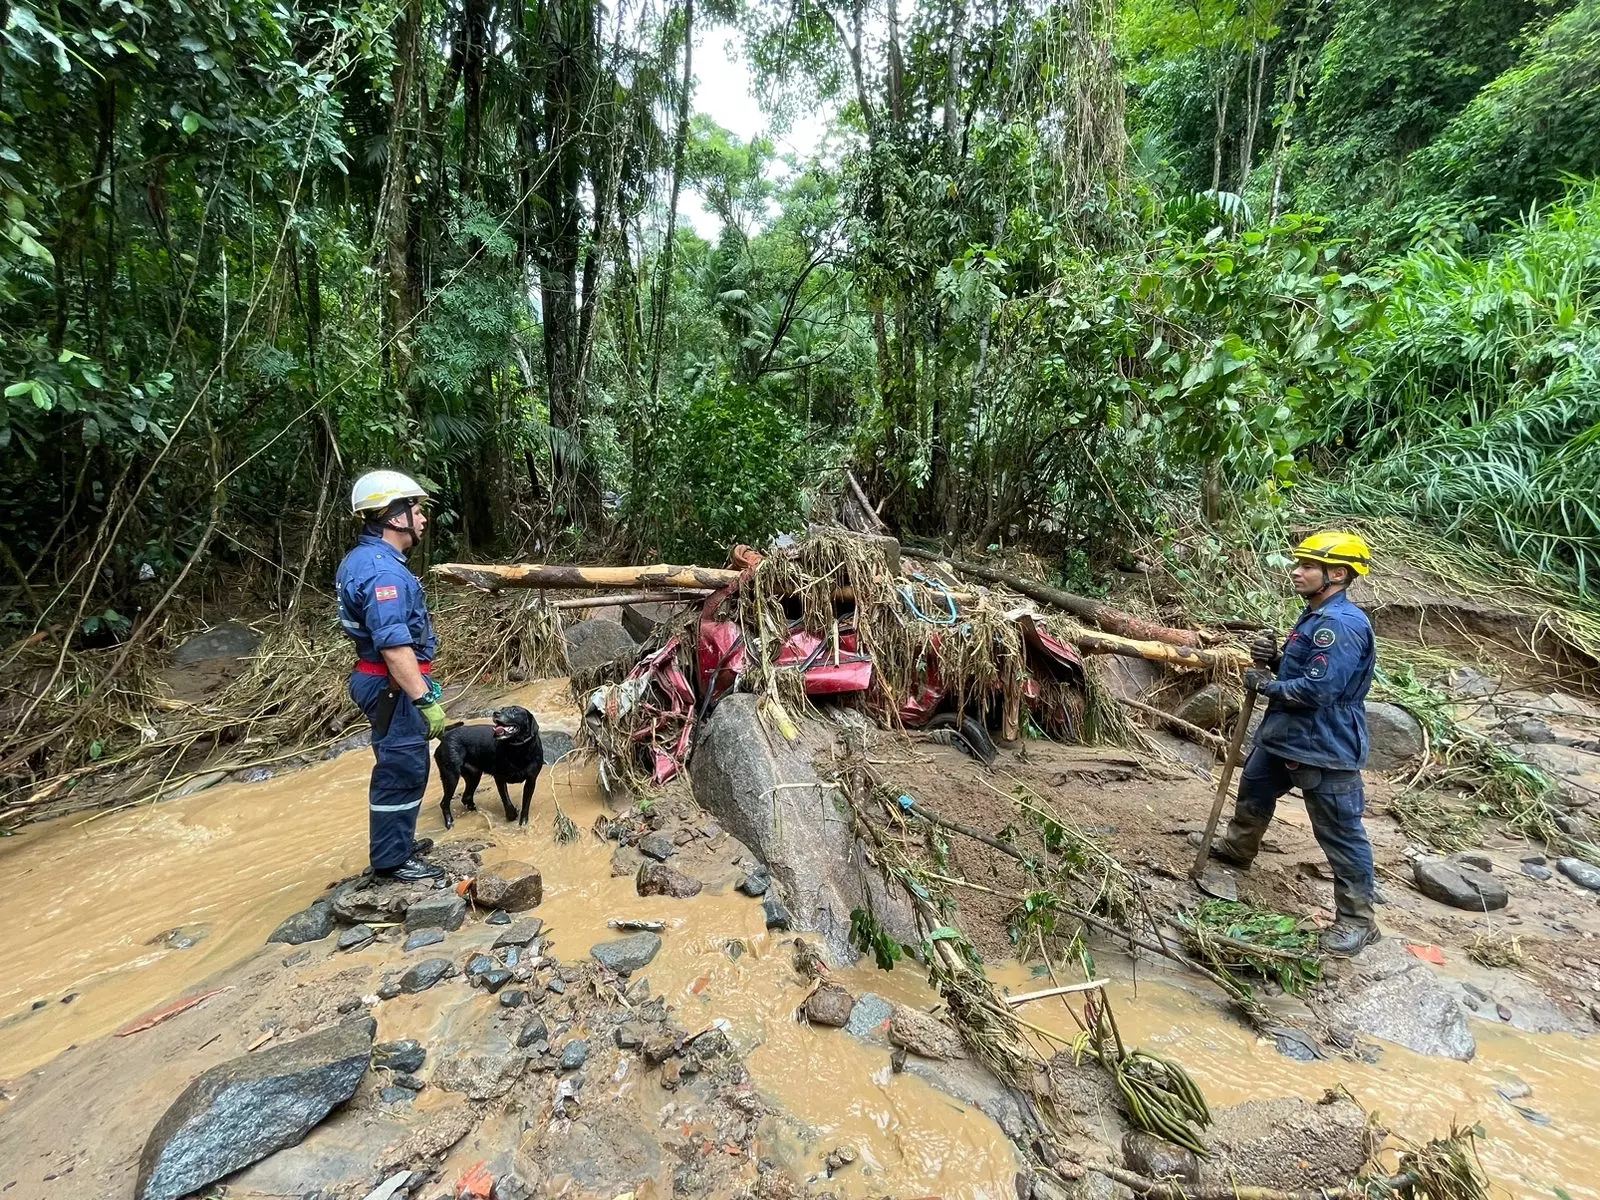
[
  {"x": 631, "y": 598},
  {"x": 494, "y": 578}
]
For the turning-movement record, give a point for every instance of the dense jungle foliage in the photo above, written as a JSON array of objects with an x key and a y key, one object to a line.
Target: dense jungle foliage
[{"x": 1060, "y": 270}]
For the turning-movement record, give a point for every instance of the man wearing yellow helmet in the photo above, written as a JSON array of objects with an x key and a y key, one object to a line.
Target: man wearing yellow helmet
[
  {"x": 383, "y": 610},
  {"x": 1314, "y": 733}
]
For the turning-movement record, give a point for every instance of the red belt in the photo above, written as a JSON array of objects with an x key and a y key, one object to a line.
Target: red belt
[{"x": 363, "y": 667}]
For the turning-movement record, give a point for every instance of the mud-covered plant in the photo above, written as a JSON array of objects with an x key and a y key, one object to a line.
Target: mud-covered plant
[
  {"x": 1232, "y": 935},
  {"x": 1493, "y": 949},
  {"x": 1430, "y": 821},
  {"x": 1446, "y": 1168},
  {"x": 1157, "y": 1093},
  {"x": 869, "y": 937}
]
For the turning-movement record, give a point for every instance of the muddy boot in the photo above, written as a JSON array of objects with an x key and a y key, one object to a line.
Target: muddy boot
[
  {"x": 1241, "y": 842},
  {"x": 1355, "y": 927},
  {"x": 413, "y": 870}
]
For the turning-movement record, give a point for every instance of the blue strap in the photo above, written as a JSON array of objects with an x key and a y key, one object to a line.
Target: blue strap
[{"x": 932, "y": 585}]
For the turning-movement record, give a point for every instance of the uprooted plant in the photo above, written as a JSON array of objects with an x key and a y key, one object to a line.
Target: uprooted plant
[
  {"x": 1232, "y": 935},
  {"x": 1157, "y": 1093}
]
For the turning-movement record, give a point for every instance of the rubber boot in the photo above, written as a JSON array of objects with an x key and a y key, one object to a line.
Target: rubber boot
[
  {"x": 1239, "y": 844},
  {"x": 413, "y": 870},
  {"x": 1354, "y": 928}
]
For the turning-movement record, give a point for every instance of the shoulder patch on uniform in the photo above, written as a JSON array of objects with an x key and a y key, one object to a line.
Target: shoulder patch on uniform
[
  {"x": 386, "y": 592},
  {"x": 1324, "y": 637},
  {"x": 1317, "y": 667}
]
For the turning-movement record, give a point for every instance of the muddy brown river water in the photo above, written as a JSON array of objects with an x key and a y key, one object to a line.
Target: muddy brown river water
[{"x": 125, "y": 911}]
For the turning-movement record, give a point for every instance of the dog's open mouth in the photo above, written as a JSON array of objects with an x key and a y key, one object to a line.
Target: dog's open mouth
[{"x": 504, "y": 731}]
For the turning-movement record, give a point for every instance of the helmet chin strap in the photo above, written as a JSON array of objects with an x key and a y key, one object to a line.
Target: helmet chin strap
[{"x": 409, "y": 528}]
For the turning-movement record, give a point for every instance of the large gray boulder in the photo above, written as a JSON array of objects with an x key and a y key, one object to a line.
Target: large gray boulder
[
  {"x": 1395, "y": 735},
  {"x": 1458, "y": 885},
  {"x": 598, "y": 643},
  {"x": 231, "y": 639},
  {"x": 796, "y": 828},
  {"x": 249, "y": 1107},
  {"x": 1386, "y": 993},
  {"x": 626, "y": 954}
]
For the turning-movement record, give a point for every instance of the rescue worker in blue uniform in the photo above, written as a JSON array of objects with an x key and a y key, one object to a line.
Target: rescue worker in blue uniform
[
  {"x": 383, "y": 610},
  {"x": 1314, "y": 733}
]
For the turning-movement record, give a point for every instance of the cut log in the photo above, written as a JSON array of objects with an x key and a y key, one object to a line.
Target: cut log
[
  {"x": 1162, "y": 652},
  {"x": 494, "y": 578},
  {"x": 866, "y": 505},
  {"x": 1112, "y": 620}
]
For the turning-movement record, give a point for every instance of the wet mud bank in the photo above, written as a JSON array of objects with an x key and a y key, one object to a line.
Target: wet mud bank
[{"x": 652, "y": 1026}]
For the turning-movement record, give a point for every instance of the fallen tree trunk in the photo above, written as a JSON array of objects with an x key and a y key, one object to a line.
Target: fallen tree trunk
[
  {"x": 1112, "y": 620},
  {"x": 492, "y": 578},
  {"x": 691, "y": 597},
  {"x": 1162, "y": 652},
  {"x": 1152, "y": 1189}
]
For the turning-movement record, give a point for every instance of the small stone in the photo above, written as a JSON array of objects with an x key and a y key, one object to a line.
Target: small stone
[
  {"x": 357, "y": 937},
  {"x": 38, "y": 1004},
  {"x": 498, "y": 917},
  {"x": 410, "y": 1082},
  {"x": 776, "y": 914},
  {"x": 1585, "y": 875},
  {"x": 513, "y": 886},
  {"x": 1501, "y": 1011},
  {"x": 574, "y": 1054},
  {"x": 627, "y": 954},
  {"x": 1535, "y": 871},
  {"x": 558, "y": 986},
  {"x": 493, "y": 981},
  {"x": 1478, "y": 862},
  {"x": 839, "y": 1158},
  {"x": 405, "y": 1056},
  {"x": 659, "y": 1050},
  {"x": 308, "y": 925},
  {"x": 1537, "y": 860},
  {"x": 349, "y": 1005},
  {"x": 683, "y": 837},
  {"x": 711, "y": 831},
  {"x": 671, "y": 1074},
  {"x": 1157, "y": 1158},
  {"x": 423, "y": 937},
  {"x": 830, "y": 1005},
  {"x": 658, "y": 879},
  {"x": 628, "y": 1037},
  {"x": 734, "y": 949},
  {"x": 479, "y": 964},
  {"x": 388, "y": 989},
  {"x": 69, "y": 997},
  {"x": 396, "y": 1095},
  {"x": 515, "y": 998},
  {"x": 533, "y": 1031},
  {"x": 657, "y": 846},
  {"x": 1476, "y": 992},
  {"x": 443, "y": 910},
  {"x": 1459, "y": 887},
  {"x": 756, "y": 882},
  {"x": 425, "y": 974},
  {"x": 513, "y": 956},
  {"x": 520, "y": 934}
]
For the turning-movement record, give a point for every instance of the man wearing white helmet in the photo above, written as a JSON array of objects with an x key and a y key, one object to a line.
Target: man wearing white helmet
[{"x": 383, "y": 610}]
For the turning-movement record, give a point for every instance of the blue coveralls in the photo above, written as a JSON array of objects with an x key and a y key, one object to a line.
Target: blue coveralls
[
  {"x": 381, "y": 606},
  {"x": 1314, "y": 737}
]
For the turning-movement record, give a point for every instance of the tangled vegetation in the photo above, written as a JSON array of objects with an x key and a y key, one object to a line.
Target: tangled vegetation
[{"x": 1058, "y": 272}]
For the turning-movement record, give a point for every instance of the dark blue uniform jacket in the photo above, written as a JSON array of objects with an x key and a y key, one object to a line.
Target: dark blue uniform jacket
[
  {"x": 381, "y": 604},
  {"x": 1316, "y": 708}
]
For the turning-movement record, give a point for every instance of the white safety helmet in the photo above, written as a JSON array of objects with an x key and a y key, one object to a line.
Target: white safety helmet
[{"x": 377, "y": 490}]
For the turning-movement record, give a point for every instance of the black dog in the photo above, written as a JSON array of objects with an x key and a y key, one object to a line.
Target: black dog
[{"x": 509, "y": 750}]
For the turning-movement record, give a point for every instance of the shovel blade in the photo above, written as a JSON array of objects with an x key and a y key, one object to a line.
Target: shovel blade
[{"x": 1217, "y": 883}]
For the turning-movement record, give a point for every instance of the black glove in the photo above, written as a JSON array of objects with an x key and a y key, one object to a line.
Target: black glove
[
  {"x": 1264, "y": 650},
  {"x": 1255, "y": 678}
]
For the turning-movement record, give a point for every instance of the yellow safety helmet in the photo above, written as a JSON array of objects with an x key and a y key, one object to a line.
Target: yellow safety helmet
[{"x": 1337, "y": 548}]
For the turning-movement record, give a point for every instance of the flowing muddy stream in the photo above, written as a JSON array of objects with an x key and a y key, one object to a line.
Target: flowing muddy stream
[{"x": 128, "y": 910}]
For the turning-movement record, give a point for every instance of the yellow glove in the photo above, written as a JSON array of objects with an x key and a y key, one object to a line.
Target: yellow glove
[{"x": 433, "y": 713}]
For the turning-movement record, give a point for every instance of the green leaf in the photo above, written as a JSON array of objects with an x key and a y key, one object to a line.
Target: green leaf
[{"x": 191, "y": 122}]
